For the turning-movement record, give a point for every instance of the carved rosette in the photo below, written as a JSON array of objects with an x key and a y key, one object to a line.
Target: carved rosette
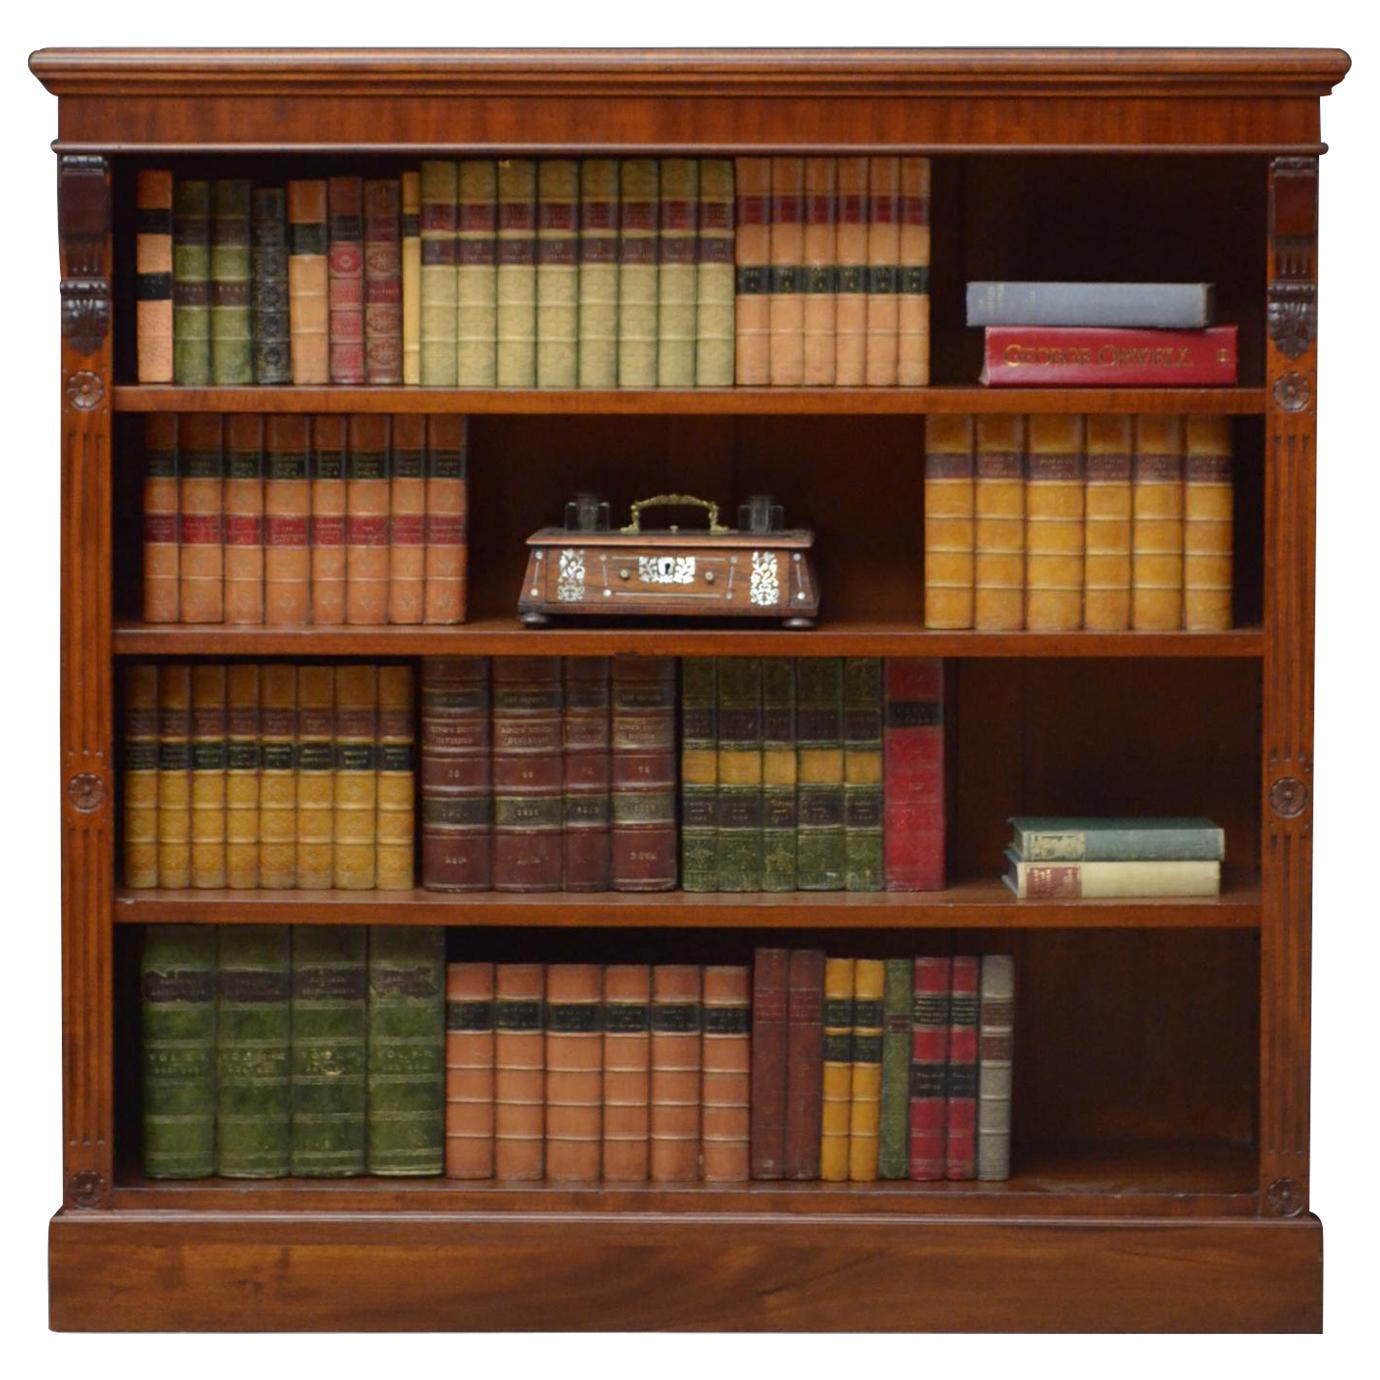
[
  {"x": 86, "y": 1188},
  {"x": 1293, "y": 392},
  {"x": 1285, "y": 1198},
  {"x": 86, "y": 792},
  {"x": 1288, "y": 797}
]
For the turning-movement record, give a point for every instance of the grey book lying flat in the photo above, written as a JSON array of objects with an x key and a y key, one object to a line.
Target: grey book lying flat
[{"x": 1178, "y": 306}]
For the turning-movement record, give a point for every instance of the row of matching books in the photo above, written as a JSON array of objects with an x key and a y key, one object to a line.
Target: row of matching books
[
  {"x": 272, "y": 776},
  {"x": 288, "y": 520},
  {"x": 1053, "y": 523}
]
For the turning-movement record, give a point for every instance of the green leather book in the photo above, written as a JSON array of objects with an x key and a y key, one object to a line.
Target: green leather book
[
  {"x": 517, "y": 273},
  {"x": 862, "y": 773},
  {"x": 191, "y": 283},
  {"x": 439, "y": 281},
  {"x": 232, "y": 336},
  {"x": 740, "y": 774},
  {"x": 330, "y": 1040},
  {"x": 637, "y": 273},
  {"x": 407, "y": 1067},
  {"x": 598, "y": 364},
  {"x": 714, "y": 304},
  {"x": 893, "y": 1152},
  {"x": 778, "y": 774},
  {"x": 676, "y": 272},
  {"x": 821, "y": 854},
  {"x": 699, "y": 773},
  {"x": 558, "y": 272},
  {"x": 477, "y": 291},
  {"x": 177, "y": 980},
  {"x": 253, "y": 1041},
  {"x": 269, "y": 289}
]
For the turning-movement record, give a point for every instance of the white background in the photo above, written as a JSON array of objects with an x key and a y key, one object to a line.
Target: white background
[{"x": 1345, "y": 954}]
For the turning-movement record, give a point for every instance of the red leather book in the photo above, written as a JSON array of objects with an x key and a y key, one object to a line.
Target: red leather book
[
  {"x": 769, "y": 978},
  {"x": 1104, "y": 356},
  {"x": 587, "y": 774},
  {"x": 366, "y": 519},
  {"x": 527, "y": 773},
  {"x": 382, "y": 281},
  {"x": 287, "y": 515},
  {"x": 804, "y": 1062},
  {"x": 327, "y": 469},
  {"x": 345, "y": 277},
  {"x": 960, "y": 1156},
  {"x": 928, "y": 1063},
  {"x": 644, "y": 773},
  {"x": 913, "y": 770},
  {"x": 457, "y": 792},
  {"x": 244, "y": 518}
]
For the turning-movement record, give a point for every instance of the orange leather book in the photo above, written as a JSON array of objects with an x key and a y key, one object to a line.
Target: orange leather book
[
  {"x": 752, "y": 277},
  {"x": 153, "y": 268},
  {"x": 913, "y": 276},
  {"x": 883, "y": 256},
  {"x": 242, "y": 775},
  {"x": 674, "y": 1130},
  {"x": 287, "y": 510},
  {"x": 469, "y": 1070},
  {"x": 1157, "y": 524},
  {"x": 574, "y": 1072},
  {"x": 519, "y": 1070},
  {"x": 1107, "y": 524},
  {"x": 174, "y": 774},
  {"x": 397, "y": 778},
  {"x": 851, "y": 275},
  {"x": 139, "y": 782},
  {"x": 315, "y": 776},
  {"x": 817, "y": 259},
  {"x": 999, "y": 523},
  {"x": 244, "y": 518},
  {"x": 1207, "y": 524},
  {"x": 356, "y": 777},
  {"x": 725, "y": 1090},
  {"x": 201, "y": 505},
  {"x": 627, "y": 1072},
  {"x": 329, "y": 443},
  {"x": 786, "y": 301},
  {"x": 277, "y": 776},
  {"x": 161, "y": 504},
  {"x": 308, "y": 312},
  {"x": 1054, "y": 523},
  {"x": 949, "y": 521},
  {"x": 208, "y": 775},
  {"x": 366, "y": 519},
  {"x": 407, "y": 521},
  {"x": 447, "y": 509}
]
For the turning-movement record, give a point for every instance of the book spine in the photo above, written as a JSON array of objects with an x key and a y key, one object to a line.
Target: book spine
[
  {"x": 330, "y": 1036},
  {"x": 382, "y": 281},
  {"x": 883, "y": 258},
  {"x": 677, "y": 272},
  {"x": 863, "y": 804},
  {"x": 438, "y": 275},
  {"x": 326, "y": 463},
  {"x": 395, "y": 824},
  {"x": 1102, "y": 880},
  {"x": 804, "y": 1063},
  {"x": 865, "y": 1108},
  {"x": 407, "y": 520},
  {"x": 208, "y": 775},
  {"x": 407, "y": 1062},
  {"x": 1169, "y": 306},
  {"x": 725, "y": 1091},
  {"x": 995, "y": 1035},
  {"x": 779, "y": 817},
  {"x": 457, "y": 790},
  {"x": 201, "y": 518},
  {"x": 714, "y": 276},
  {"x": 588, "y": 774},
  {"x": 913, "y": 771},
  {"x": 819, "y": 251},
  {"x": 527, "y": 773},
  {"x": 1098, "y": 357},
  {"x": 574, "y": 1072},
  {"x": 738, "y": 843},
  {"x": 253, "y": 1052},
  {"x": 1207, "y": 524},
  {"x": 1157, "y": 524},
  {"x": 627, "y": 1072},
  {"x": 315, "y": 776},
  {"x": 699, "y": 773},
  {"x": 998, "y": 523},
  {"x": 161, "y": 506},
  {"x": 477, "y": 271},
  {"x": 752, "y": 272},
  {"x": 1107, "y": 524},
  {"x": 469, "y": 1071},
  {"x": 277, "y": 776},
  {"x": 1104, "y": 844},
  {"x": 177, "y": 985},
  {"x": 644, "y": 774},
  {"x": 269, "y": 301},
  {"x": 837, "y": 1076},
  {"x": 191, "y": 292},
  {"x": 447, "y": 519},
  {"x": 638, "y": 222},
  {"x": 242, "y": 776},
  {"x": 768, "y": 1050},
  {"x": 786, "y": 301},
  {"x": 558, "y": 273},
  {"x": 893, "y": 1149},
  {"x": 960, "y": 1157},
  {"x": 244, "y": 518},
  {"x": 366, "y": 518},
  {"x": 153, "y": 269},
  {"x": 308, "y": 276},
  {"x": 913, "y": 276},
  {"x": 354, "y": 859},
  {"x": 674, "y": 1128},
  {"x": 519, "y": 1071},
  {"x": 174, "y": 775},
  {"x": 410, "y": 238},
  {"x": 821, "y": 840},
  {"x": 139, "y": 779},
  {"x": 851, "y": 274},
  {"x": 1054, "y": 524},
  {"x": 949, "y": 525},
  {"x": 288, "y": 521},
  {"x": 232, "y": 337},
  {"x": 345, "y": 278},
  {"x": 516, "y": 253},
  {"x": 598, "y": 313},
  {"x": 929, "y": 1062}
]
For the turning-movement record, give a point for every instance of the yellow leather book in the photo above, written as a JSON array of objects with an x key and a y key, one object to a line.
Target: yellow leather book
[
  {"x": 140, "y": 781},
  {"x": 308, "y": 309},
  {"x": 558, "y": 272},
  {"x": 677, "y": 273},
  {"x": 277, "y": 776},
  {"x": 315, "y": 776},
  {"x": 883, "y": 255},
  {"x": 819, "y": 249},
  {"x": 786, "y": 302},
  {"x": 208, "y": 775},
  {"x": 999, "y": 523},
  {"x": 836, "y": 1108},
  {"x": 174, "y": 775},
  {"x": 516, "y": 251},
  {"x": 396, "y": 778},
  {"x": 865, "y": 1112},
  {"x": 1207, "y": 524},
  {"x": 948, "y": 521},
  {"x": 1054, "y": 523},
  {"x": 1107, "y": 524},
  {"x": 242, "y": 776},
  {"x": 850, "y": 273},
  {"x": 1157, "y": 524},
  {"x": 913, "y": 276},
  {"x": 356, "y": 777},
  {"x": 412, "y": 277}
]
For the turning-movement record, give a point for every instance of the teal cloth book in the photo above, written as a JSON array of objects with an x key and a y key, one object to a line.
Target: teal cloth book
[
  {"x": 893, "y": 1151},
  {"x": 862, "y": 773},
  {"x": 699, "y": 773},
  {"x": 1170, "y": 838},
  {"x": 740, "y": 774}
]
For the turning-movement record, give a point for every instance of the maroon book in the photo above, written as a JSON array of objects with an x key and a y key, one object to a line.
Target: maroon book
[
  {"x": 960, "y": 1156},
  {"x": 769, "y": 978},
  {"x": 644, "y": 773},
  {"x": 929, "y": 1057},
  {"x": 913, "y": 768},
  {"x": 527, "y": 773},
  {"x": 345, "y": 277},
  {"x": 587, "y": 774},
  {"x": 382, "y": 281},
  {"x": 1107, "y": 356},
  {"x": 457, "y": 793},
  {"x": 804, "y": 1062}
]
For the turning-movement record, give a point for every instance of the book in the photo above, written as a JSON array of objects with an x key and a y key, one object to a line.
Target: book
[
  {"x": 996, "y": 992},
  {"x": 395, "y": 821},
  {"x": 241, "y": 775},
  {"x": 438, "y": 277},
  {"x": 913, "y": 275},
  {"x": 515, "y": 253},
  {"x": 177, "y": 1050},
  {"x": 883, "y": 259},
  {"x": 738, "y": 833},
  {"x": 677, "y": 272},
  {"x": 821, "y": 841},
  {"x": 277, "y": 776},
  {"x": 1166, "y": 306},
  {"x": 201, "y": 517},
  {"x": 139, "y": 779},
  {"x": 674, "y": 1126},
  {"x": 837, "y": 1072},
  {"x": 367, "y": 559},
  {"x": 382, "y": 281},
  {"x": 699, "y": 773},
  {"x": 627, "y": 1072},
  {"x": 174, "y": 775},
  {"x": 527, "y": 728},
  {"x": 308, "y": 279},
  {"x": 865, "y": 1105},
  {"x": 326, "y": 466},
  {"x": 893, "y": 1144},
  {"x": 330, "y": 1033},
  {"x": 345, "y": 277},
  {"x": 407, "y": 520},
  {"x": 519, "y": 1070},
  {"x": 558, "y": 273},
  {"x": 714, "y": 323},
  {"x": 725, "y": 1095},
  {"x": 598, "y": 276},
  {"x": 1207, "y": 523},
  {"x": 253, "y": 1048},
  {"x": 1107, "y": 357},
  {"x": 779, "y": 817},
  {"x": 752, "y": 272},
  {"x": 1107, "y": 524},
  {"x": 291, "y": 538},
  {"x": 477, "y": 274},
  {"x": 587, "y": 745},
  {"x": 574, "y": 1072},
  {"x": 804, "y": 1063},
  {"x": 863, "y": 805},
  {"x": 1054, "y": 523},
  {"x": 153, "y": 270},
  {"x": 407, "y": 1072},
  {"x": 1144, "y": 838},
  {"x": 231, "y": 315},
  {"x": 1157, "y": 524},
  {"x": 929, "y": 1059},
  {"x": 818, "y": 251},
  {"x": 960, "y": 1083},
  {"x": 162, "y": 502},
  {"x": 999, "y": 523},
  {"x": 644, "y": 774},
  {"x": 638, "y": 278},
  {"x": 191, "y": 285},
  {"x": 1057, "y": 881},
  {"x": 244, "y": 518},
  {"x": 913, "y": 770},
  {"x": 354, "y": 858},
  {"x": 770, "y": 979},
  {"x": 457, "y": 791},
  {"x": 410, "y": 239},
  {"x": 949, "y": 525},
  {"x": 208, "y": 776},
  {"x": 447, "y": 516},
  {"x": 851, "y": 272},
  {"x": 316, "y": 728},
  {"x": 469, "y": 1071},
  {"x": 786, "y": 299}
]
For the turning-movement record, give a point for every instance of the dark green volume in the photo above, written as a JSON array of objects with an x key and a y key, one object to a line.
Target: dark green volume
[
  {"x": 778, "y": 773},
  {"x": 740, "y": 774},
  {"x": 893, "y": 1151},
  {"x": 821, "y": 856},
  {"x": 177, "y": 975},
  {"x": 862, "y": 773},
  {"x": 699, "y": 773}
]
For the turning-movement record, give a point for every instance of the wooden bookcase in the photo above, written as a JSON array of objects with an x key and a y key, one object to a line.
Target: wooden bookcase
[{"x": 1161, "y": 1165}]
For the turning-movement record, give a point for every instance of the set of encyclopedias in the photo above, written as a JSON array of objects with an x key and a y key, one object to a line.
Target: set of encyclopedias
[
  {"x": 1054, "y": 523},
  {"x": 290, "y": 520}
]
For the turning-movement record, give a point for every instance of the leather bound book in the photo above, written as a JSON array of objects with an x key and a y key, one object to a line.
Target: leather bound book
[
  {"x": 574, "y": 1072},
  {"x": 960, "y": 1158},
  {"x": 883, "y": 259},
  {"x": 277, "y": 776},
  {"x": 397, "y": 779},
  {"x": 1207, "y": 524},
  {"x": 913, "y": 768},
  {"x": 382, "y": 281},
  {"x": 1108, "y": 357},
  {"x": 804, "y": 1062},
  {"x": 177, "y": 1047},
  {"x": 558, "y": 273},
  {"x": 778, "y": 774},
  {"x": 447, "y": 517},
  {"x": 598, "y": 278},
  {"x": 996, "y": 1022},
  {"x": 174, "y": 774},
  {"x": 366, "y": 519},
  {"x": 752, "y": 272},
  {"x": 949, "y": 528},
  {"x": 407, "y": 520},
  {"x": 913, "y": 276},
  {"x": 999, "y": 523},
  {"x": 201, "y": 518},
  {"x": 637, "y": 272},
  {"x": 699, "y": 773},
  {"x": 515, "y": 250},
  {"x": 139, "y": 776},
  {"x": 153, "y": 268},
  {"x": 519, "y": 1070},
  {"x": 268, "y": 294},
  {"x": 588, "y": 774},
  {"x": 1157, "y": 524},
  {"x": 330, "y": 1035},
  {"x": 469, "y": 1070},
  {"x": 1054, "y": 523},
  {"x": 644, "y": 773},
  {"x": 308, "y": 294},
  {"x": 726, "y": 1086},
  {"x": 477, "y": 271},
  {"x": 253, "y": 1051},
  {"x": 851, "y": 272},
  {"x": 407, "y": 1055},
  {"x": 457, "y": 789},
  {"x": 893, "y": 1149},
  {"x": 208, "y": 775},
  {"x": 326, "y": 467},
  {"x": 786, "y": 300},
  {"x": 161, "y": 506},
  {"x": 865, "y": 1111},
  {"x": 819, "y": 250},
  {"x": 191, "y": 260},
  {"x": 739, "y": 827},
  {"x": 527, "y": 729},
  {"x": 677, "y": 272},
  {"x": 929, "y": 1062},
  {"x": 355, "y": 849},
  {"x": 863, "y": 805},
  {"x": 244, "y": 518},
  {"x": 287, "y": 521},
  {"x": 714, "y": 323},
  {"x": 410, "y": 237},
  {"x": 821, "y": 841},
  {"x": 242, "y": 776},
  {"x": 315, "y": 776},
  {"x": 674, "y": 1132},
  {"x": 345, "y": 279},
  {"x": 627, "y": 1072},
  {"x": 438, "y": 322},
  {"x": 768, "y": 1050},
  {"x": 837, "y": 1076},
  {"x": 1107, "y": 524}
]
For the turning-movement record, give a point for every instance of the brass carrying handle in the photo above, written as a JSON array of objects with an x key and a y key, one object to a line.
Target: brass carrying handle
[{"x": 674, "y": 501}]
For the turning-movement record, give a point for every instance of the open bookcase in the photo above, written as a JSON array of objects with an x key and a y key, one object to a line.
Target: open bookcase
[{"x": 1160, "y": 1164}]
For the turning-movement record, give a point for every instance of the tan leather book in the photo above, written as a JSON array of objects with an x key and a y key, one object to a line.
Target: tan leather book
[
  {"x": 366, "y": 519},
  {"x": 139, "y": 781},
  {"x": 999, "y": 522},
  {"x": 519, "y": 1071},
  {"x": 627, "y": 1072},
  {"x": 242, "y": 776},
  {"x": 949, "y": 530},
  {"x": 277, "y": 776},
  {"x": 598, "y": 311},
  {"x": 786, "y": 301},
  {"x": 438, "y": 286},
  {"x": 174, "y": 774},
  {"x": 638, "y": 281},
  {"x": 674, "y": 1129},
  {"x": 865, "y": 1108},
  {"x": 329, "y": 447},
  {"x": 883, "y": 256},
  {"x": 1107, "y": 524},
  {"x": 411, "y": 230},
  {"x": 558, "y": 272},
  {"x": 447, "y": 519},
  {"x": 714, "y": 323},
  {"x": 201, "y": 520},
  {"x": 752, "y": 272},
  {"x": 161, "y": 504},
  {"x": 315, "y": 776},
  {"x": 477, "y": 292},
  {"x": 355, "y": 856},
  {"x": 817, "y": 257},
  {"x": 1157, "y": 524},
  {"x": 725, "y": 1089},
  {"x": 913, "y": 276},
  {"x": 1207, "y": 524},
  {"x": 208, "y": 775},
  {"x": 1054, "y": 523},
  {"x": 574, "y": 1072},
  {"x": 397, "y": 778},
  {"x": 676, "y": 272},
  {"x": 308, "y": 306},
  {"x": 244, "y": 518},
  {"x": 838, "y": 1070},
  {"x": 153, "y": 267},
  {"x": 287, "y": 518},
  {"x": 516, "y": 248},
  {"x": 469, "y": 1071},
  {"x": 407, "y": 520},
  {"x": 851, "y": 275}
]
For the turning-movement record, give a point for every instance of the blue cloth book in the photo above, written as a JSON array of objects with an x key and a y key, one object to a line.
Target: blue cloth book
[{"x": 1054, "y": 838}]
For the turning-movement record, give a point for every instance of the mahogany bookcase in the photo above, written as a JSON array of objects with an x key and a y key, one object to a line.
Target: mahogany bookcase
[{"x": 1161, "y": 1159}]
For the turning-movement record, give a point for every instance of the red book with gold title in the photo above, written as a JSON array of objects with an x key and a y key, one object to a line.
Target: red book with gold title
[
  {"x": 587, "y": 766},
  {"x": 913, "y": 770},
  {"x": 382, "y": 281},
  {"x": 960, "y": 1084},
  {"x": 928, "y": 1067},
  {"x": 345, "y": 280},
  {"x": 1108, "y": 356},
  {"x": 457, "y": 788}
]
